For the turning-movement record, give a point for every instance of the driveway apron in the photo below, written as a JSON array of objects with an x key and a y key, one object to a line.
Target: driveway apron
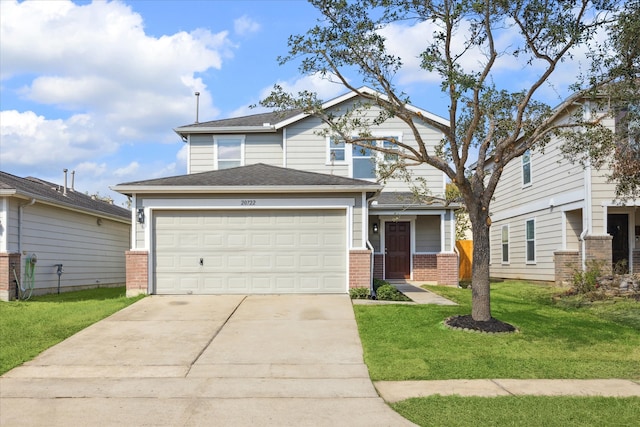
[{"x": 269, "y": 360}]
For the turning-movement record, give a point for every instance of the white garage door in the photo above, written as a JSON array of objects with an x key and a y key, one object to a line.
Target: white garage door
[{"x": 257, "y": 251}]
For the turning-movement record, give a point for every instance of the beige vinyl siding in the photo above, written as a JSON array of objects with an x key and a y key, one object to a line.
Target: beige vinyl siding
[
  {"x": 263, "y": 148},
  {"x": 374, "y": 238},
  {"x": 200, "y": 153},
  {"x": 10, "y": 229},
  {"x": 603, "y": 193},
  {"x": 92, "y": 254},
  {"x": 574, "y": 226},
  {"x": 428, "y": 233},
  {"x": 548, "y": 239},
  {"x": 308, "y": 151}
]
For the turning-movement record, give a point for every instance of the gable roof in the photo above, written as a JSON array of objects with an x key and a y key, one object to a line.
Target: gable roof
[
  {"x": 258, "y": 178},
  {"x": 274, "y": 121},
  {"x": 49, "y": 193}
]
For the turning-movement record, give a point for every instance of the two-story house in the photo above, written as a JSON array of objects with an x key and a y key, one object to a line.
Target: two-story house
[
  {"x": 550, "y": 217},
  {"x": 270, "y": 206}
]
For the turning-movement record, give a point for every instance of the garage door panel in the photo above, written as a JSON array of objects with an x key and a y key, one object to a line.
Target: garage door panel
[{"x": 250, "y": 251}]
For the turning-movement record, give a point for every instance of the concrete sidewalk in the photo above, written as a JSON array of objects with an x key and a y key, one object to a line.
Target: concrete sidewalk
[
  {"x": 204, "y": 360},
  {"x": 395, "y": 391}
]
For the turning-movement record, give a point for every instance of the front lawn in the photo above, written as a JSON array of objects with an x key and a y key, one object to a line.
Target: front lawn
[
  {"x": 29, "y": 327},
  {"x": 555, "y": 340}
]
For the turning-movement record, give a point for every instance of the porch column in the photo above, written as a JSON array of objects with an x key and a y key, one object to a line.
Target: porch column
[
  {"x": 137, "y": 264},
  {"x": 359, "y": 268},
  {"x": 565, "y": 262},
  {"x": 9, "y": 262},
  {"x": 598, "y": 248}
]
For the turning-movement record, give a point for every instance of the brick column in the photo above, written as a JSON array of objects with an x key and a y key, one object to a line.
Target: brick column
[
  {"x": 359, "y": 268},
  {"x": 137, "y": 264},
  {"x": 425, "y": 267},
  {"x": 598, "y": 248},
  {"x": 566, "y": 263},
  {"x": 447, "y": 268},
  {"x": 636, "y": 261},
  {"x": 7, "y": 280}
]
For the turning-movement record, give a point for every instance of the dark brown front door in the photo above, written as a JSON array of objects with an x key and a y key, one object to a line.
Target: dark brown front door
[
  {"x": 397, "y": 238},
  {"x": 618, "y": 227}
]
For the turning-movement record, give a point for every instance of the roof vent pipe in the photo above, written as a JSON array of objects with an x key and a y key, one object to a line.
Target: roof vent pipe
[
  {"x": 65, "y": 181},
  {"x": 73, "y": 179},
  {"x": 197, "y": 106}
]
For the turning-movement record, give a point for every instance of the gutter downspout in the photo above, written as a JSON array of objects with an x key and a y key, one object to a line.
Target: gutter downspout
[
  {"x": 20, "y": 222},
  {"x": 588, "y": 217},
  {"x": 370, "y": 246}
]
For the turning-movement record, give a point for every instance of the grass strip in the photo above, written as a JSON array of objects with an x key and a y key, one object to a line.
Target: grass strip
[
  {"x": 531, "y": 411},
  {"x": 29, "y": 327}
]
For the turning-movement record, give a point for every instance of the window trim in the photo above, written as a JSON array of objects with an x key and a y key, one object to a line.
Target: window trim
[
  {"x": 216, "y": 157},
  {"x": 522, "y": 166},
  {"x": 527, "y": 240},
  {"x": 508, "y": 245}
]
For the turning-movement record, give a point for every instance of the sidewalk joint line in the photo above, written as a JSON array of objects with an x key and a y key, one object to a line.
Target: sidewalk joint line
[
  {"x": 502, "y": 387},
  {"x": 215, "y": 334}
]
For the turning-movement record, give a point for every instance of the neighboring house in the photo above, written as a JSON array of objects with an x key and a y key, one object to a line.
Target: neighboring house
[
  {"x": 550, "y": 217},
  {"x": 269, "y": 206},
  {"x": 61, "y": 226}
]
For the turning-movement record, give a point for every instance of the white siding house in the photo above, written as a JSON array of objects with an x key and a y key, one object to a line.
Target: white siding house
[
  {"x": 278, "y": 170},
  {"x": 54, "y": 225}
]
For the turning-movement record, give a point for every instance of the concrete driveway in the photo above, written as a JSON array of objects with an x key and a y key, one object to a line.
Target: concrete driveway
[{"x": 275, "y": 360}]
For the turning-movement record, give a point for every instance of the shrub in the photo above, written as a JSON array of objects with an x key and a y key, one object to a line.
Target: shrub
[
  {"x": 359, "y": 293},
  {"x": 587, "y": 281},
  {"x": 388, "y": 292}
]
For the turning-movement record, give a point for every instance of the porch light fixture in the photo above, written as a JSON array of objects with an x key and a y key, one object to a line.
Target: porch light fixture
[
  {"x": 141, "y": 216},
  {"x": 375, "y": 228}
]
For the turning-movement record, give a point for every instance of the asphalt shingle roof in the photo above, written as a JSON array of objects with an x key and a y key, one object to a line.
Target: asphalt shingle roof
[
  {"x": 254, "y": 175},
  {"x": 252, "y": 120},
  {"x": 46, "y": 191}
]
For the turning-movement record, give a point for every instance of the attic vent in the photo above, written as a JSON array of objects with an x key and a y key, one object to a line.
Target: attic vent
[{"x": 266, "y": 124}]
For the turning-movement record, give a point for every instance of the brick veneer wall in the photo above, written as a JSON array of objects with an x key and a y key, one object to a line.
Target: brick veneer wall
[
  {"x": 566, "y": 263},
  {"x": 599, "y": 248},
  {"x": 7, "y": 280},
  {"x": 359, "y": 268},
  {"x": 425, "y": 267},
  {"x": 137, "y": 272},
  {"x": 378, "y": 266},
  {"x": 448, "y": 265}
]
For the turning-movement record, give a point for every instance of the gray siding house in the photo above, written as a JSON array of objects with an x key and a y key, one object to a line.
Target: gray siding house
[
  {"x": 270, "y": 206},
  {"x": 550, "y": 217},
  {"x": 54, "y": 225}
]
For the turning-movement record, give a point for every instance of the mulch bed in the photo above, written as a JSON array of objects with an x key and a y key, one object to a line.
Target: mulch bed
[{"x": 467, "y": 323}]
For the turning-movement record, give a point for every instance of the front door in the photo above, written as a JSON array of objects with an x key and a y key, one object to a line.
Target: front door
[
  {"x": 618, "y": 227},
  {"x": 397, "y": 238}
]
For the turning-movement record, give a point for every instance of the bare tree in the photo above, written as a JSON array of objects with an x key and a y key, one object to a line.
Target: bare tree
[{"x": 488, "y": 124}]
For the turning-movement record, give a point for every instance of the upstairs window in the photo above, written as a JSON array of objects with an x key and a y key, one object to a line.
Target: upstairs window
[
  {"x": 229, "y": 152},
  {"x": 526, "y": 168},
  {"x": 337, "y": 151},
  {"x": 363, "y": 165}
]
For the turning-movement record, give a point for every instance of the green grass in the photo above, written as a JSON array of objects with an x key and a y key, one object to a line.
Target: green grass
[
  {"x": 532, "y": 411},
  {"x": 555, "y": 340},
  {"x": 29, "y": 327}
]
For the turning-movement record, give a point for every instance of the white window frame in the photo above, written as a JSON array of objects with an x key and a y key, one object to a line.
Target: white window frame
[
  {"x": 527, "y": 240},
  {"x": 216, "y": 156},
  {"x": 377, "y": 156},
  {"x": 502, "y": 245},
  {"x": 523, "y": 165}
]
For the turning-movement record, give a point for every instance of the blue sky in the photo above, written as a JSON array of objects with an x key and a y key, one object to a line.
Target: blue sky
[{"x": 99, "y": 87}]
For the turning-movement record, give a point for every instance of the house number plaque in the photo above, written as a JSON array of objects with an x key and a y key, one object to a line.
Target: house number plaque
[{"x": 248, "y": 202}]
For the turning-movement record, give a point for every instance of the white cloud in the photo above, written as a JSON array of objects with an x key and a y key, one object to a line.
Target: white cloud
[
  {"x": 30, "y": 139},
  {"x": 128, "y": 170},
  {"x": 245, "y": 25}
]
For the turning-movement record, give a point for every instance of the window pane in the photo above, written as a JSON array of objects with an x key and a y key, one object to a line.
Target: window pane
[
  {"x": 531, "y": 243},
  {"x": 361, "y": 151},
  {"x": 336, "y": 150},
  {"x": 526, "y": 168},
  {"x": 363, "y": 168},
  {"x": 505, "y": 244},
  {"x": 229, "y": 149},
  {"x": 390, "y": 145},
  {"x": 226, "y": 164},
  {"x": 531, "y": 256},
  {"x": 530, "y": 230}
]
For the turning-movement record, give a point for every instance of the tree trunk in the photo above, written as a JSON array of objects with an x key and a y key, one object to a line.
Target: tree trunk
[{"x": 480, "y": 286}]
